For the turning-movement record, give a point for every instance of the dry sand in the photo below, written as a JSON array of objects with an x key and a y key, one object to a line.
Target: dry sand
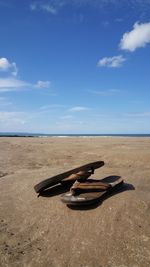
[{"x": 45, "y": 232}]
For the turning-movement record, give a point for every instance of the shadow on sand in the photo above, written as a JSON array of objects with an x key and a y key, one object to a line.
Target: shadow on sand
[
  {"x": 61, "y": 189},
  {"x": 98, "y": 202},
  {"x": 54, "y": 190}
]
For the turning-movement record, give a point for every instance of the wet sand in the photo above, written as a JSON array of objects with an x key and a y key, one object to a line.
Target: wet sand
[{"x": 45, "y": 232}]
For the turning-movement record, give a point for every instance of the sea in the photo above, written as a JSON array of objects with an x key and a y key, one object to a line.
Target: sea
[{"x": 21, "y": 134}]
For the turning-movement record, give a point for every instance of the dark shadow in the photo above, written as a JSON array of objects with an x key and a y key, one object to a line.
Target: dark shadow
[
  {"x": 54, "y": 190},
  {"x": 110, "y": 179},
  {"x": 63, "y": 188},
  {"x": 117, "y": 190}
]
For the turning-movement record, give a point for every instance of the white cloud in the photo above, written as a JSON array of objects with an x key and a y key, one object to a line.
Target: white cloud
[
  {"x": 111, "y": 62},
  {"x": 15, "y": 69},
  {"x": 48, "y": 7},
  {"x": 54, "y": 6},
  {"x": 42, "y": 84},
  {"x": 78, "y": 108},
  {"x": 13, "y": 84},
  {"x": 7, "y": 66},
  {"x": 96, "y": 3},
  {"x": 138, "y": 37},
  {"x": 4, "y": 64}
]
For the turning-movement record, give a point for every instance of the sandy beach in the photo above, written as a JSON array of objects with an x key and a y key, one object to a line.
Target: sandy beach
[{"x": 45, "y": 232}]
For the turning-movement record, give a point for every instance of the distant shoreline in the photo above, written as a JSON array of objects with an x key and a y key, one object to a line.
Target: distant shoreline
[{"x": 70, "y": 135}]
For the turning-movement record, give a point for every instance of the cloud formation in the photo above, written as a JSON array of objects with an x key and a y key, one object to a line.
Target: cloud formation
[
  {"x": 11, "y": 84},
  {"x": 78, "y": 108},
  {"x": 14, "y": 84},
  {"x": 111, "y": 62},
  {"x": 43, "y": 84},
  {"x": 7, "y": 66},
  {"x": 54, "y": 6},
  {"x": 47, "y": 7},
  {"x": 138, "y": 37}
]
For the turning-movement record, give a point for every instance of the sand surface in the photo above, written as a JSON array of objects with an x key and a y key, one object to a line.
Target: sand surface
[{"x": 45, "y": 232}]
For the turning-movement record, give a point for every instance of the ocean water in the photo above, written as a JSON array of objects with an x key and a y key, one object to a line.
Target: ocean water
[{"x": 18, "y": 134}]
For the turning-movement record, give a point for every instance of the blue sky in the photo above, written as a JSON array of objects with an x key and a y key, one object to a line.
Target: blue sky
[{"x": 75, "y": 66}]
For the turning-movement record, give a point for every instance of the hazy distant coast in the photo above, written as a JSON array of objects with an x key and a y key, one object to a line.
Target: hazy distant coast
[{"x": 70, "y": 135}]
